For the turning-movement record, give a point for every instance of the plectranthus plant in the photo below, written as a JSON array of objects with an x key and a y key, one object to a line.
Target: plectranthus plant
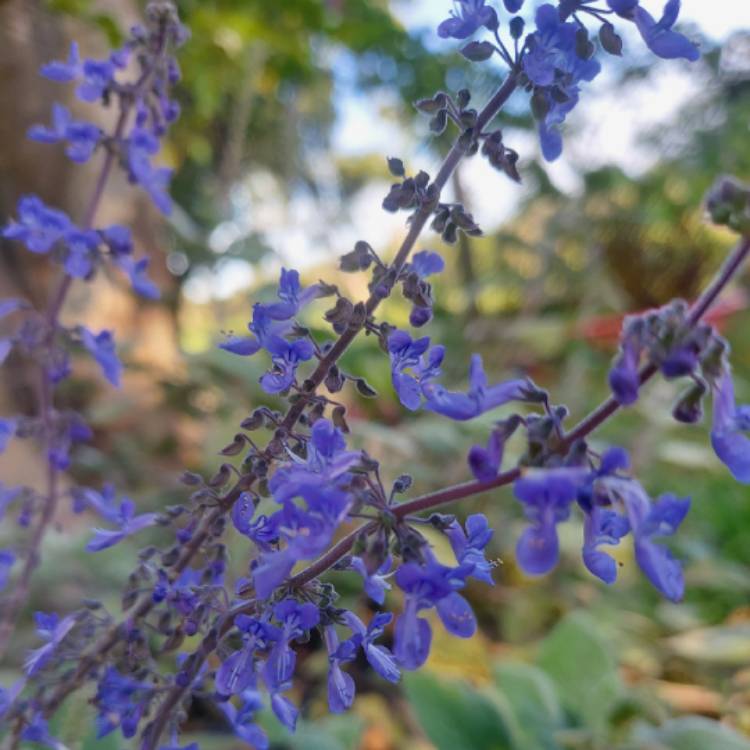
[{"x": 308, "y": 505}]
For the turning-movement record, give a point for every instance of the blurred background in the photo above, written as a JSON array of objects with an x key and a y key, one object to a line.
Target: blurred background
[{"x": 288, "y": 112}]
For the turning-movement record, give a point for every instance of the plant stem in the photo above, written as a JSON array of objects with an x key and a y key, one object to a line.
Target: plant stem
[{"x": 418, "y": 222}]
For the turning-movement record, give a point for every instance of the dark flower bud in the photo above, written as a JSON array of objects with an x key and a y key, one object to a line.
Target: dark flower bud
[
  {"x": 402, "y": 484},
  {"x": 517, "y": 25},
  {"x": 478, "y": 51},
  {"x": 728, "y": 203},
  {"x": 420, "y": 316},
  {"x": 396, "y": 167},
  {"x": 463, "y": 97},
  {"x": 610, "y": 39},
  {"x": 689, "y": 407}
]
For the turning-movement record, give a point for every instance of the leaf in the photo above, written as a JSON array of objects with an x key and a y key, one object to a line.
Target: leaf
[
  {"x": 693, "y": 733},
  {"x": 455, "y": 716},
  {"x": 534, "y": 700},
  {"x": 727, "y": 644},
  {"x": 580, "y": 663}
]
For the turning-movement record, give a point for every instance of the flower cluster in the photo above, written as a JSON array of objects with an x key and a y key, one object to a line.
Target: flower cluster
[{"x": 307, "y": 502}]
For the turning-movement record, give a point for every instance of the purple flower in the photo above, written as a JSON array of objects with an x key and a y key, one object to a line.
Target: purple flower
[
  {"x": 375, "y": 584},
  {"x": 341, "y": 687},
  {"x": 9, "y": 695},
  {"x": 64, "y": 72},
  {"x": 101, "y": 346},
  {"x": 466, "y": 18},
  {"x": 293, "y": 297},
  {"x": 648, "y": 521},
  {"x": 241, "y": 720},
  {"x": 410, "y": 368},
  {"x": 129, "y": 524},
  {"x": 97, "y": 77},
  {"x": 379, "y": 657},
  {"x": 426, "y": 263},
  {"x": 546, "y": 497},
  {"x": 7, "y": 431},
  {"x": 296, "y": 621},
  {"x": 285, "y": 357},
  {"x": 39, "y": 227},
  {"x": 142, "y": 145},
  {"x": 468, "y": 546},
  {"x": 485, "y": 462},
  {"x": 82, "y": 137},
  {"x": 480, "y": 397},
  {"x": 38, "y": 731},
  {"x": 137, "y": 270},
  {"x": 82, "y": 253},
  {"x": 121, "y": 701},
  {"x": 7, "y": 560},
  {"x": 554, "y": 67},
  {"x": 285, "y": 711},
  {"x": 730, "y": 423},
  {"x": 11, "y": 305},
  {"x": 624, "y": 379},
  {"x": 602, "y": 526},
  {"x": 52, "y": 629},
  {"x": 658, "y": 35},
  {"x": 118, "y": 239},
  {"x": 426, "y": 586},
  {"x": 307, "y": 531}
]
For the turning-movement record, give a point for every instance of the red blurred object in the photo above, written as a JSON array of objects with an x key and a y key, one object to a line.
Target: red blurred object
[{"x": 604, "y": 330}]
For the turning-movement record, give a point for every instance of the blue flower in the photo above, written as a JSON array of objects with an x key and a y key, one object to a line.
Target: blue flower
[
  {"x": 648, "y": 521},
  {"x": 137, "y": 270},
  {"x": 485, "y": 462},
  {"x": 426, "y": 263},
  {"x": 552, "y": 64},
  {"x": 380, "y": 658},
  {"x": 426, "y": 586},
  {"x": 286, "y": 357},
  {"x": 97, "y": 77},
  {"x": 296, "y": 621},
  {"x": 39, "y": 227},
  {"x": 38, "y": 731},
  {"x": 7, "y": 560},
  {"x": 129, "y": 524},
  {"x": 241, "y": 720},
  {"x": 602, "y": 526},
  {"x": 142, "y": 145},
  {"x": 375, "y": 584},
  {"x": 82, "y": 255},
  {"x": 624, "y": 379},
  {"x": 467, "y": 17},
  {"x": 546, "y": 496},
  {"x": 658, "y": 35},
  {"x": 101, "y": 346},
  {"x": 64, "y": 72},
  {"x": 118, "y": 239},
  {"x": 291, "y": 295},
  {"x": 52, "y": 629},
  {"x": 730, "y": 423},
  {"x": 121, "y": 701},
  {"x": 468, "y": 546},
  {"x": 82, "y": 137},
  {"x": 341, "y": 687},
  {"x": 7, "y": 431},
  {"x": 410, "y": 369},
  {"x": 480, "y": 397}
]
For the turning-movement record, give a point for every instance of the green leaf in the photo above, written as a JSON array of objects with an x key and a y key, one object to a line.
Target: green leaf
[
  {"x": 533, "y": 698},
  {"x": 580, "y": 663},
  {"x": 693, "y": 733},
  {"x": 455, "y": 716}
]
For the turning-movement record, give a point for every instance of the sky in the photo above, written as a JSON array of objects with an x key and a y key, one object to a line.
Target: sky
[{"x": 605, "y": 128}]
